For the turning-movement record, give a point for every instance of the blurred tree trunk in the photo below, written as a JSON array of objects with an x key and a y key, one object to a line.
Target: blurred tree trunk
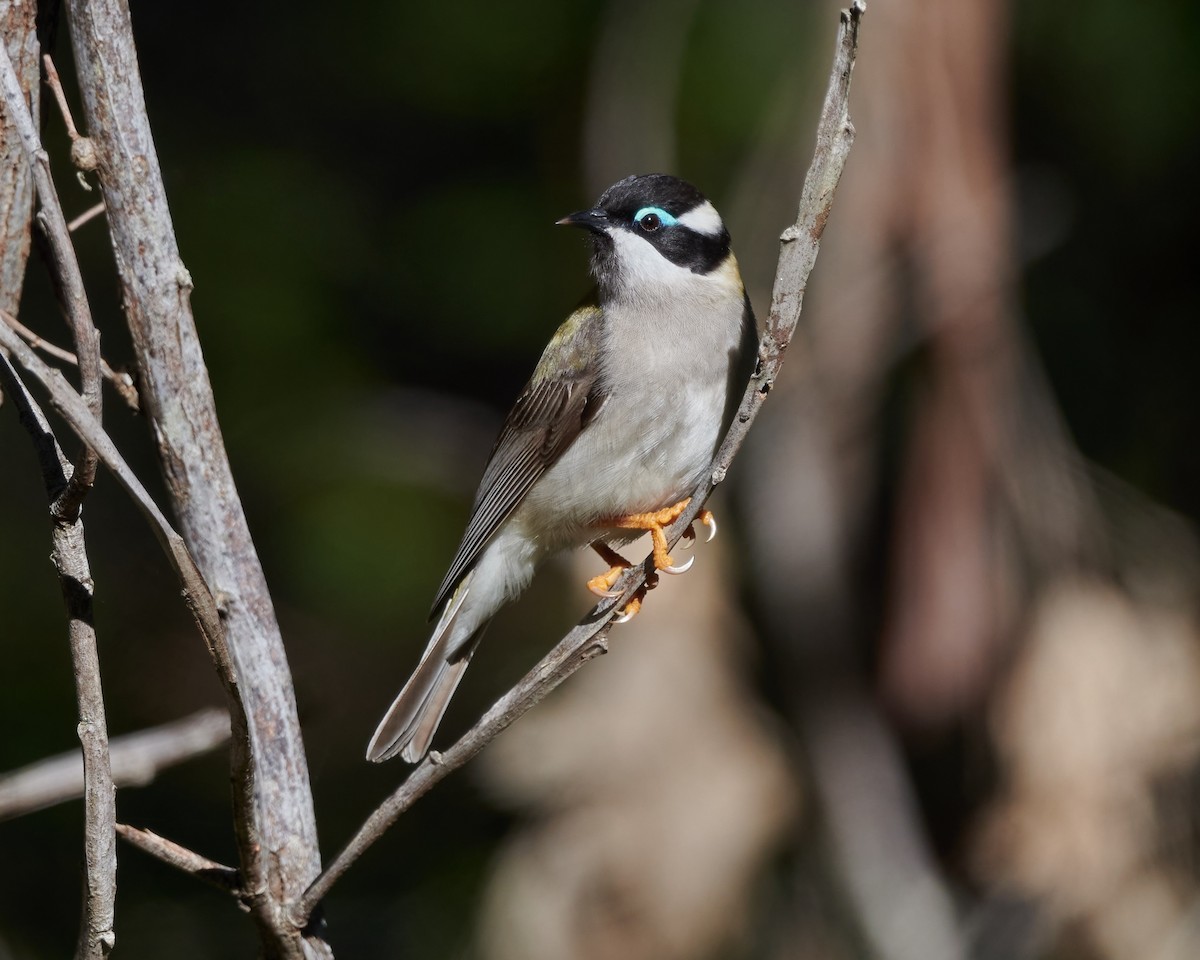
[{"x": 921, "y": 255}]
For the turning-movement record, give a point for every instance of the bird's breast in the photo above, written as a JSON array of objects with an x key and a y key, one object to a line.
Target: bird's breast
[{"x": 666, "y": 374}]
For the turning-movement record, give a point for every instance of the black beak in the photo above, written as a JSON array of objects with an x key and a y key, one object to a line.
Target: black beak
[{"x": 594, "y": 220}]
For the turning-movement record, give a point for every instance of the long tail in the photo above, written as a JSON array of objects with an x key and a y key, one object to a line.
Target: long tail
[{"x": 412, "y": 719}]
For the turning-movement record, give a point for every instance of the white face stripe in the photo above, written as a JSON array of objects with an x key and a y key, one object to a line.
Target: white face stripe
[
  {"x": 703, "y": 219},
  {"x": 646, "y": 275},
  {"x": 644, "y": 268}
]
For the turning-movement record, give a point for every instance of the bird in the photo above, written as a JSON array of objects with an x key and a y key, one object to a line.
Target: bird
[{"x": 615, "y": 429}]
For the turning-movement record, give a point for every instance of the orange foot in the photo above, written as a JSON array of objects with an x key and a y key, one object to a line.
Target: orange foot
[
  {"x": 602, "y": 585},
  {"x": 635, "y": 602},
  {"x": 654, "y": 522}
]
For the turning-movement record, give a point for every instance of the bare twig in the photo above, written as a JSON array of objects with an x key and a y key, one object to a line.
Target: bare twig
[
  {"x": 69, "y": 280},
  {"x": 137, "y": 758},
  {"x": 275, "y": 823},
  {"x": 585, "y": 642},
  {"x": 89, "y": 214},
  {"x": 73, "y": 409},
  {"x": 60, "y": 98},
  {"x": 170, "y": 852},
  {"x": 799, "y": 246},
  {"x": 121, "y": 382},
  {"x": 69, "y": 555}
]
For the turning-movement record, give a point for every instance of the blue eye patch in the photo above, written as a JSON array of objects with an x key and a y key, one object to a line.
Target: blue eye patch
[{"x": 664, "y": 218}]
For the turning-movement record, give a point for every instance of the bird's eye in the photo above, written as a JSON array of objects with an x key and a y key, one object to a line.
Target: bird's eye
[{"x": 653, "y": 218}]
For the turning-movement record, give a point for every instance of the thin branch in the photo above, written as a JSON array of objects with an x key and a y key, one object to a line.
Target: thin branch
[
  {"x": 137, "y": 758},
  {"x": 121, "y": 382},
  {"x": 87, "y": 216},
  {"x": 67, "y": 276},
  {"x": 799, "y": 246},
  {"x": 74, "y": 410},
  {"x": 585, "y": 642},
  {"x": 274, "y": 820},
  {"x": 69, "y": 556},
  {"x": 170, "y": 852},
  {"x": 60, "y": 98}
]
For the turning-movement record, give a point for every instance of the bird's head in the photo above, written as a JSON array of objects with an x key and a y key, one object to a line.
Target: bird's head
[{"x": 656, "y": 236}]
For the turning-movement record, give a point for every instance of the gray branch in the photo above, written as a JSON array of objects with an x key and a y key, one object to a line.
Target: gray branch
[
  {"x": 120, "y": 381},
  {"x": 69, "y": 555},
  {"x": 68, "y": 279},
  {"x": 18, "y": 34},
  {"x": 275, "y": 823},
  {"x": 799, "y": 245},
  {"x": 66, "y": 488},
  {"x": 168, "y": 851},
  {"x": 137, "y": 758},
  {"x": 74, "y": 411}
]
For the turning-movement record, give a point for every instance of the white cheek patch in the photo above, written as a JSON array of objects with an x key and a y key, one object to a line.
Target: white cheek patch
[
  {"x": 703, "y": 219},
  {"x": 643, "y": 267}
]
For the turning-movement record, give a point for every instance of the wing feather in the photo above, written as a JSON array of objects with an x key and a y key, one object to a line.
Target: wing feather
[{"x": 555, "y": 406}]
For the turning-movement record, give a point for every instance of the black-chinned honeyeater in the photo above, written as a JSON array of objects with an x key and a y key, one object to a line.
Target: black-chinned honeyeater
[{"x": 612, "y": 434}]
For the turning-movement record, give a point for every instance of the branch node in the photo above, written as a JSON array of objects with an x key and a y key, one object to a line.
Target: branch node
[
  {"x": 597, "y": 649},
  {"x": 84, "y": 157}
]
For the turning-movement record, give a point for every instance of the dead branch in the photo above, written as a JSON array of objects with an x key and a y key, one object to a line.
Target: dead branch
[
  {"x": 121, "y": 382},
  {"x": 799, "y": 246},
  {"x": 274, "y": 818},
  {"x": 180, "y": 857},
  {"x": 69, "y": 556},
  {"x": 67, "y": 277},
  {"x": 87, "y": 216},
  {"x": 74, "y": 410},
  {"x": 137, "y": 759}
]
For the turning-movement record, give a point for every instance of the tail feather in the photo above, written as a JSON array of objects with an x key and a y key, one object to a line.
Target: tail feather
[{"x": 411, "y": 721}]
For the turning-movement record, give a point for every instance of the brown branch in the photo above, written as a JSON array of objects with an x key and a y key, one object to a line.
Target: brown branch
[
  {"x": 275, "y": 823},
  {"x": 88, "y": 215},
  {"x": 799, "y": 246},
  {"x": 172, "y": 853},
  {"x": 137, "y": 758},
  {"x": 69, "y": 555},
  {"x": 55, "y": 85},
  {"x": 121, "y": 382}
]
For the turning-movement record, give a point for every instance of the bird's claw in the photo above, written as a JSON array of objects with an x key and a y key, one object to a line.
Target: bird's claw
[
  {"x": 707, "y": 518},
  {"x": 634, "y": 605},
  {"x": 602, "y": 585},
  {"x": 680, "y": 569}
]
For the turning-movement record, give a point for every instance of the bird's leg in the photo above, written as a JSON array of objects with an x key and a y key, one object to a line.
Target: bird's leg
[
  {"x": 654, "y": 522},
  {"x": 602, "y": 585}
]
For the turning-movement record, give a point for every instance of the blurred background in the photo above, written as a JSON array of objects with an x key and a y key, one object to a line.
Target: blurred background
[{"x": 935, "y": 690}]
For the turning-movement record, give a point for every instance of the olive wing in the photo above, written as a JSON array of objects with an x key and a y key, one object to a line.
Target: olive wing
[{"x": 557, "y": 404}]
